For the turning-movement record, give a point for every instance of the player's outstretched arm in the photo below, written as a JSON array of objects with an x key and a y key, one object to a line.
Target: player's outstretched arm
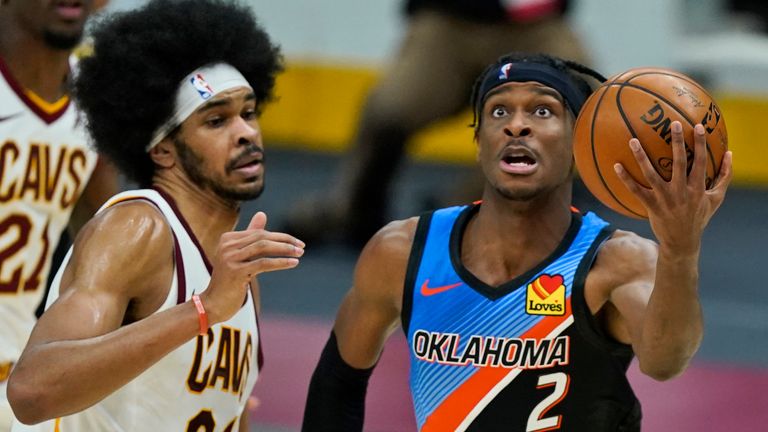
[
  {"x": 369, "y": 313},
  {"x": 657, "y": 300},
  {"x": 102, "y": 330}
]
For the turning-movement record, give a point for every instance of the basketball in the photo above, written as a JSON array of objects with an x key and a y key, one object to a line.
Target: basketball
[{"x": 642, "y": 103}]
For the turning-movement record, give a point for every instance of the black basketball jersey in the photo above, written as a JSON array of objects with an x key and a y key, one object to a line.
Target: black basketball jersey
[{"x": 524, "y": 356}]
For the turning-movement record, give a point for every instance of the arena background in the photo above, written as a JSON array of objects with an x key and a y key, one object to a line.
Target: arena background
[{"x": 335, "y": 52}]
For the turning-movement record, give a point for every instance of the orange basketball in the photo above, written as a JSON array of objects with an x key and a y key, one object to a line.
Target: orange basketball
[{"x": 642, "y": 103}]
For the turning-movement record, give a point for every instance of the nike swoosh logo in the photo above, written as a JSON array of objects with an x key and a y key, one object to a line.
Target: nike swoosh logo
[
  {"x": 427, "y": 291},
  {"x": 2, "y": 119}
]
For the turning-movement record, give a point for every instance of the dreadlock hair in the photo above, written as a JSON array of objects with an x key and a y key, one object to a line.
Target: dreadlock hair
[
  {"x": 127, "y": 88},
  {"x": 573, "y": 69}
]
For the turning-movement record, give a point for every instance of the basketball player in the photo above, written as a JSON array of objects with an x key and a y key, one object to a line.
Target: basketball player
[
  {"x": 151, "y": 322},
  {"x": 522, "y": 313},
  {"x": 49, "y": 179}
]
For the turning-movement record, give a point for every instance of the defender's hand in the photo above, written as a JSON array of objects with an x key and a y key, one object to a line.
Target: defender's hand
[{"x": 241, "y": 255}]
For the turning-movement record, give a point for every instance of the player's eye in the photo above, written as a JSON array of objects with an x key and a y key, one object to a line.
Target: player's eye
[
  {"x": 498, "y": 111},
  {"x": 214, "y": 121},
  {"x": 250, "y": 114},
  {"x": 543, "y": 111}
]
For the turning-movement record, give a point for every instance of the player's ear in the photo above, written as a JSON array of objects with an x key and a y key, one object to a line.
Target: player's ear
[
  {"x": 164, "y": 153},
  {"x": 476, "y": 139}
]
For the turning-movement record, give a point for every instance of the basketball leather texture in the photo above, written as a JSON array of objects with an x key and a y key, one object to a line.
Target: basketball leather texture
[{"x": 642, "y": 103}]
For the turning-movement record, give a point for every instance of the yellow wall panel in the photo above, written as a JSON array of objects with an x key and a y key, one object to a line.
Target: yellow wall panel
[
  {"x": 744, "y": 116},
  {"x": 450, "y": 140},
  {"x": 318, "y": 107}
]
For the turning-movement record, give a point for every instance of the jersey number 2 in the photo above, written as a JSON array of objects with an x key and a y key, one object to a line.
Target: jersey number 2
[
  {"x": 536, "y": 421},
  {"x": 22, "y": 225}
]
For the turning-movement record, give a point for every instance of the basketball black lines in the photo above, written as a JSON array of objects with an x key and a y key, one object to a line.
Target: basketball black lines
[{"x": 642, "y": 103}]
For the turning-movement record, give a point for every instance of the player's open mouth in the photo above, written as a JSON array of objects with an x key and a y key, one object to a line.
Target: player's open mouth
[
  {"x": 517, "y": 161},
  {"x": 70, "y": 9}
]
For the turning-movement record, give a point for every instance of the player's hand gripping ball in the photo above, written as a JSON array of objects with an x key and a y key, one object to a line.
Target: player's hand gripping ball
[{"x": 642, "y": 103}]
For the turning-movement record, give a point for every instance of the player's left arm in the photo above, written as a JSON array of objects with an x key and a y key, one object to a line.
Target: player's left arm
[
  {"x": 101, "y": 186},
  {"x": 655, "y": 298}
]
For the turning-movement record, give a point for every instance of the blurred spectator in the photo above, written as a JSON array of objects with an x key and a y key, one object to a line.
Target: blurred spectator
[
  {"x": 757, "y": 10},
  {"x": 446, "y": 45}
]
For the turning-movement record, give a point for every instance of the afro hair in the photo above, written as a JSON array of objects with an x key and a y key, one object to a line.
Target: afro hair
[{"x": 127, "y": 88}]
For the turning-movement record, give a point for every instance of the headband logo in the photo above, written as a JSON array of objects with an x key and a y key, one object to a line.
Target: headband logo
[
  {"x": 203, "y": 88},
  {"x": 504, "y": 71}
]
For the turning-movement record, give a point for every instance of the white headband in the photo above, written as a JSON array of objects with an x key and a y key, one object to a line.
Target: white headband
[{"x": 196, "y": 89}]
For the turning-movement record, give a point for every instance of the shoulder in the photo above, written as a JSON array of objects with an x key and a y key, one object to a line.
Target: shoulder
[
  {"x": 131, "y": 239},
  {"x": 626, "y": 246},
  {"x": 625, "y": 257},
  {"x": 381, "y": 268},
  {"x": 132, "y": 221},
  {"x": 393, "y": 242}
]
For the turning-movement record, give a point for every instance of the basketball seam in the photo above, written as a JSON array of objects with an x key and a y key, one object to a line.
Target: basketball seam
[
  {"x": 689, "y": 81},
  {"x": 626, "y": 79},
  {"x": 663, "y": 99},
  {"x": 670, "y": 104},
  {"x": 681, "y": 77},
  {"x": 594, "y": 154}
]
